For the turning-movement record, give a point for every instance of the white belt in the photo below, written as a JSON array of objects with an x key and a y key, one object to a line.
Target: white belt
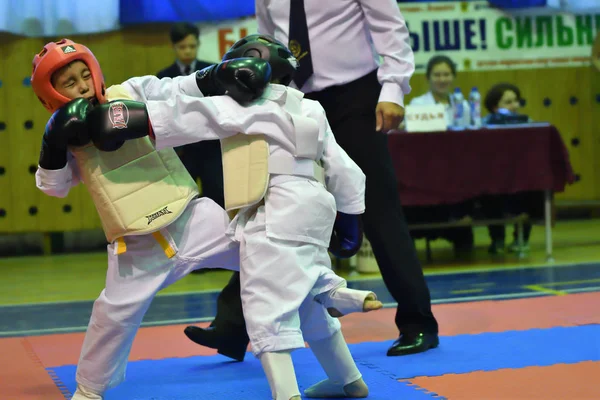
[{"x": 280, "y": 165}]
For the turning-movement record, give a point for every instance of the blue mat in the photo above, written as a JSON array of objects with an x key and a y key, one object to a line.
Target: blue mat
[
  {"x": 488, "y": 352},
  {"x": 216, "y": 378}
]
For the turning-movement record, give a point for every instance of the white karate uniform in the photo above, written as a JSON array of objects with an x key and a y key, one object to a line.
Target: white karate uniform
[
  {"x": 283, "y": 242},
  {"x": 198, "y": 237}
]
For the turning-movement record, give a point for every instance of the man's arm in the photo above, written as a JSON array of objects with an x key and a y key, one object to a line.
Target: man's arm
[
  {"x": 392, "y": 42},
  {"x": 265, "y": 25},
  {"x": 391, "y": 39}
]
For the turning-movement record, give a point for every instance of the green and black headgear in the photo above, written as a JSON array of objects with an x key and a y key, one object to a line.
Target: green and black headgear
[{"x": 283, "y": 63}]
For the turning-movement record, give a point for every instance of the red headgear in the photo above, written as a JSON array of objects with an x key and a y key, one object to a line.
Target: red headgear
[{"x": 54, "y": 56}]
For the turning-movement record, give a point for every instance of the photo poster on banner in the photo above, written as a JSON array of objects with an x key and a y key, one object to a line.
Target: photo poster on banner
[{"x": 474, "y": 34}]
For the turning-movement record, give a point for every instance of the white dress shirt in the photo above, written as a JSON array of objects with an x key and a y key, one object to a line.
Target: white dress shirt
[
  {"x": 346, "y": 37},
  {"x": 182, "y": 67}
]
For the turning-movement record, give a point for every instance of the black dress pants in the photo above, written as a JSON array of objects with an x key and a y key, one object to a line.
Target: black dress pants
[{"x": 350, "y": 109}]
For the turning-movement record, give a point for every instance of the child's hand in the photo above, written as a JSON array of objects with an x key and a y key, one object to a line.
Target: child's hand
[
  {"x": 111, "y": 124},
  {"x": 244, "y": 79},
  {"x": 67, "y": 126},
  {"x": 347, "y": 235}
]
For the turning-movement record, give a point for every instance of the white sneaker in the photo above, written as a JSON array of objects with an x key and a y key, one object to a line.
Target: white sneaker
[{"x": 83, "y": 393}]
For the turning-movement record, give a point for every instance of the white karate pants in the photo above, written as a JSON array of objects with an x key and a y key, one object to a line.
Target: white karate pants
[{"x": 195, "y": 240}]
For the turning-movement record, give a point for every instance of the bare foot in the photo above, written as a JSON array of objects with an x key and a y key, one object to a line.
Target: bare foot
[{"x": 371, "y": 303}]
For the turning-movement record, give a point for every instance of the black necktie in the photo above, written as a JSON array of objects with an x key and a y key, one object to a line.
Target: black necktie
[
  {"x": 299, "y": 43},
  {"x": 187, "y": 70}
]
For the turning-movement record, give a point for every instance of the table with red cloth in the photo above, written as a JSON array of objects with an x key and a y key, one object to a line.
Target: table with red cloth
[{"x": 435, "y": 168}]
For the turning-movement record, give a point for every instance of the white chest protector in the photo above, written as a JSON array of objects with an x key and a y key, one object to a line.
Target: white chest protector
[
  {"x": 136, "y": 189},
  {"x": 247, "y": 163}
]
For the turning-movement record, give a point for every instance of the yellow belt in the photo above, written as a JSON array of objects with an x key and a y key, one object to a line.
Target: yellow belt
[{"x": 158, "y": 236}]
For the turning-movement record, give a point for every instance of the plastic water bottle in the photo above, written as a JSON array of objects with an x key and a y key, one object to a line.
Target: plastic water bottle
[
  {"x": 459, "y": 112},
  {"x": 475, "y": 104}
]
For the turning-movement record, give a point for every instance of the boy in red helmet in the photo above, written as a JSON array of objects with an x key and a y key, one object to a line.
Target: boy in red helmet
[{"x": 158, "y": 228}]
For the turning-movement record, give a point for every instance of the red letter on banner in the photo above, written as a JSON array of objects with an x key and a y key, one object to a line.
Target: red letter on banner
[{"x": 225, "y": 43}]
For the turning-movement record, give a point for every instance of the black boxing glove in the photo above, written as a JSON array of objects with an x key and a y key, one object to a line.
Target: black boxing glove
[
  {"x": 244, "y": 79},
  {"x": 111, "y": 124},
  {"x": 66, "y": 127}
]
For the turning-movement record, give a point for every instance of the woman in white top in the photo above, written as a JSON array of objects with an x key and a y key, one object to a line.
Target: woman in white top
[{"x": 441, "y": 73}]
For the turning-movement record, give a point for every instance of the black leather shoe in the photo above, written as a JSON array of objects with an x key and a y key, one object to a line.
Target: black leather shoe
[
  {"x": 229, "y": 346},
  {"x": 413, "y": 344}
]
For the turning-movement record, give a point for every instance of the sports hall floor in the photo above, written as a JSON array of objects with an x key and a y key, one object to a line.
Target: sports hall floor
[{"x": 510, "y": 329}]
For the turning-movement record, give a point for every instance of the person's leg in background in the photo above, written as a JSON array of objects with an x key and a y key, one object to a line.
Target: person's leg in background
[
  {"x": 203, "y": 161},
  {"x": 462, "y": 237},
  {"x": 514, "y": 246},
  {"x": 493, "y": 207},
  {"x": 530, "y": 203},
  {"x": 417, "y": 215},
  {"x": 497, "y": 235},
  {"x": 227, "y": 332},
  {"x": 351, "y": 113},
  {"x": 208, "y": 166}
]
